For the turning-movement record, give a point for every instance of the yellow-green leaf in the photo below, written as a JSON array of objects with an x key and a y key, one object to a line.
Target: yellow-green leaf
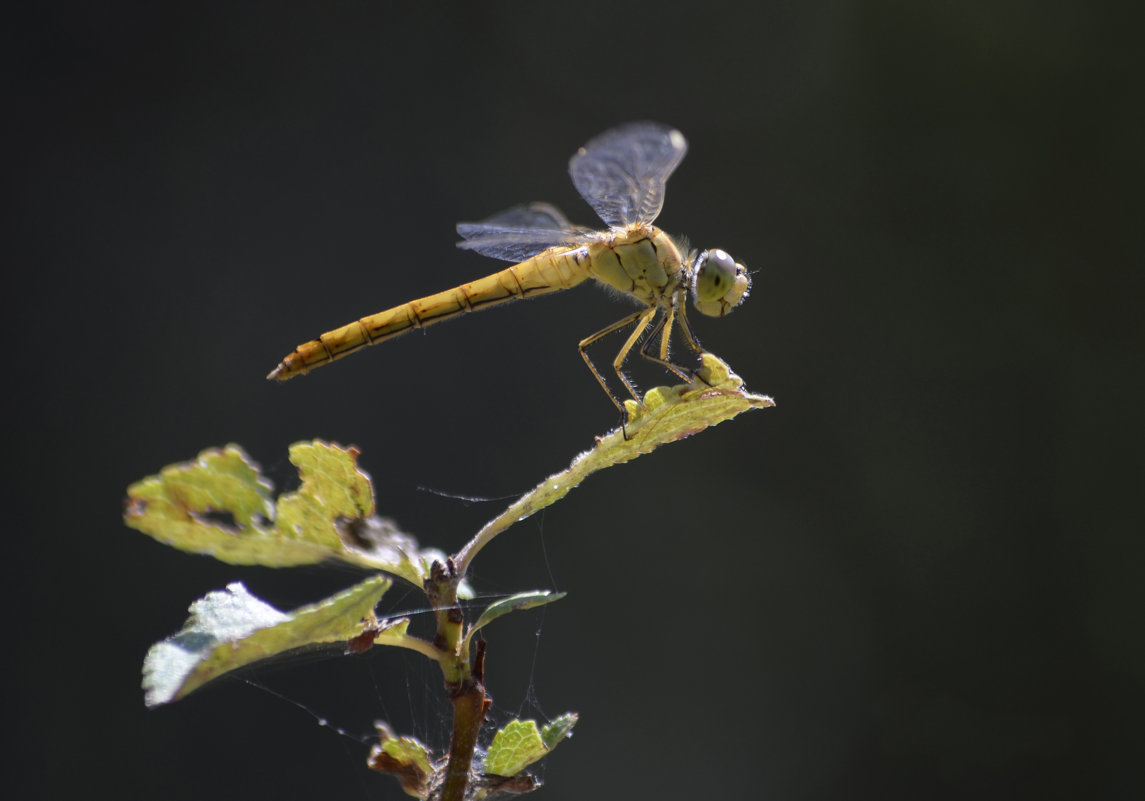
[
  {"x": 521, "y": 743},
  {"x": 406, "y": 758},
  {"x": 217, "y": 504},
  {"x": 669, "y": 414},
  {"x": 231, "y": 628},
  {"x": 333, "y": 489},
  {"x": 558, "y": 729},
  {"x": 522, "y": 600},
  {"x": 220, "y": 505}
]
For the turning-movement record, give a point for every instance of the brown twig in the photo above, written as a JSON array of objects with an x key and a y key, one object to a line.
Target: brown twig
[{"x": 469, "y": 707}]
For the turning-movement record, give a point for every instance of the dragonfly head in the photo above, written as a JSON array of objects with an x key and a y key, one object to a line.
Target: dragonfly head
[{"x": 719, "y": 283}]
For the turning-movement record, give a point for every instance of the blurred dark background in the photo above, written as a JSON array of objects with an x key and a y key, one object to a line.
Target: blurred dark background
[{"x": 920, "y": 576}]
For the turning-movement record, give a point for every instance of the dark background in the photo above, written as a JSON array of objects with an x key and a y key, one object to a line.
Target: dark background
[{"x": 919, "y": 576}]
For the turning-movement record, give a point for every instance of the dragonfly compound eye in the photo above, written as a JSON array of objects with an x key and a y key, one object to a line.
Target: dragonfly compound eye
[{"x": 719, "y": 283}]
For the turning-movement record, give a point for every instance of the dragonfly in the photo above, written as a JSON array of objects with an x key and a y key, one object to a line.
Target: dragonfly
[{"x": 621, "y": 174}]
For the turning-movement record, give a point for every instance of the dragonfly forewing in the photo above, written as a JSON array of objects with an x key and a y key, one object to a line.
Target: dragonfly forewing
[{"x": 622, "y": 173}]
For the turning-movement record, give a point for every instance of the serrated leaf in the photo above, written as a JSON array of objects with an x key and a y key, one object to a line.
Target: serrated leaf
[
  {"x": 187, "y": 505},
  {"x": 558, "y": 729},
  {"x": 673, "y": 413},
  {"x": 670, "y": 414},
  {"x": 333, "y": 488},
  {"x": 406, "y": 758},
  {"x": 521, "y": 743},
  {"x": 220, "y": 505},
  {"x": 522, "y": 600},
  {"x": 231, "y": 628}
]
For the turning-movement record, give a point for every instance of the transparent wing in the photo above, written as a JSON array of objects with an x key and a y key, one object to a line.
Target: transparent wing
[
  {"x": 527, "y": 215},
  {"x": 521, "y": 232},
  {"x": 622, "y": 172}
]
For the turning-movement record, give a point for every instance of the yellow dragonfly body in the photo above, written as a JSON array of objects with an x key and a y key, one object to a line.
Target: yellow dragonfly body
[{"x": 622, "y": 174}]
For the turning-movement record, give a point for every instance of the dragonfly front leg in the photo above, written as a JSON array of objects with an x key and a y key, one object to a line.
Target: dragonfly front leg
[
  {"x": 663, "y": 333},
  {"x": 584, "y": 343},
  {"x": 686, "y": 327}
]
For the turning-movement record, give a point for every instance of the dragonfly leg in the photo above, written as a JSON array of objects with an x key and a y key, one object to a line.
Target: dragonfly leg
[
  {"x": 693, "y": 343},
  {"x": 686, "y": 328},
  {"x": 584, "y": 343},
  {"x": 618, "y": 362},
  {"x": 663, "y": 331}
]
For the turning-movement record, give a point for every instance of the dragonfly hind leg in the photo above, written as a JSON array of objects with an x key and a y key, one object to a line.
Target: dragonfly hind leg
[{"x": 641, "y": 319}]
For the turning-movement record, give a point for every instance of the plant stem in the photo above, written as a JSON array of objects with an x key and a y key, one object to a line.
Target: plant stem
[{"x": 469, "y": 707}]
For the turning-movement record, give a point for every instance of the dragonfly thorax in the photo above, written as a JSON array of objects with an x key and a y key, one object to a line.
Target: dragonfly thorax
[{"x": 642, "y": 262}]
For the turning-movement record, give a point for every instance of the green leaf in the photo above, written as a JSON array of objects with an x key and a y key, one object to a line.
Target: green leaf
[
  {"x": 395, "y": 633},
  {"x": 333, "y": 488},
  {"x": 520, "y": 744},
  {"x": 670, "y": 414},
  {"x": 405, "y": 758},
  {"x": 187, "y": 504},
  {"x": 220, "y": 505},
  {"x": 522, "y": 600},
  {"x": 558, "y": 730},
  {"x": 231, "y": 628}
]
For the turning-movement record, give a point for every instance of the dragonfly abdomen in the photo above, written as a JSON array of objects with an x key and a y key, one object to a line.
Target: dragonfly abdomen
[{"x": 546, "y": 272}]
